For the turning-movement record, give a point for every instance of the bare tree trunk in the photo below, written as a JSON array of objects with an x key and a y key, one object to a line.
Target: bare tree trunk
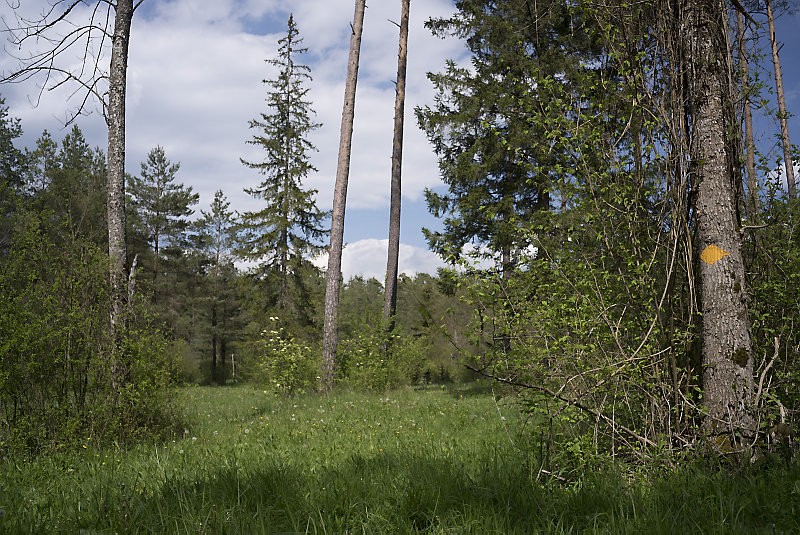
[
  {"x": 116, "y": 178},
  {"x": 214, "y": 343},
  {"x": 782, "y": 114},
  {"x": 750, "y": 146},
  {"x": 726, "y": 352},
  {"x": 390, "y": 295},
  {"x": 333, "y": 276}
]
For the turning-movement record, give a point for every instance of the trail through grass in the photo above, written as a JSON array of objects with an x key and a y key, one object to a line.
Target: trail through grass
[{"x": 432, "y": 461}]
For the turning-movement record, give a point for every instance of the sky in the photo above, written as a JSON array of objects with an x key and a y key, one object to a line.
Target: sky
[{"x": 195, "y": 81}]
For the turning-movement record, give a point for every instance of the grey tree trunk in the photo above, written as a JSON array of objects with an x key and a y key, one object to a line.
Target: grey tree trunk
[
  {"x": 782, "y": 114},
  {"x": 116, "y": 177},
  {"x": 333, "y": 276},
  {"x": 390, "y": 294},
  {"x": 750, "y": 146},
  {"x": 726, "y": 352}
]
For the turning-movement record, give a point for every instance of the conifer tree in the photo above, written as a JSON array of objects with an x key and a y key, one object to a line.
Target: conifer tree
[
  {"x": 482, "y": 128},
  {"x": 282, "y": 234},
  {"x": 214, "y": 241},
  {"x": 333, "y": 276},
  {"x": 162, "y": 205}
]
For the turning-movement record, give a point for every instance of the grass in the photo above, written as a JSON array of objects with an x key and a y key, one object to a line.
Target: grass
[{"x": 430, "y": 461}]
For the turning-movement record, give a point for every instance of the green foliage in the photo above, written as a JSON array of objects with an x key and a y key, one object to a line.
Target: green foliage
[
  {"x": 286, "y": 230},
  {"x": 55, "y": 347},
  {"x": 285, "y": 363},
  {"x": 160, "y": 206},
  {"x": 373, "y": 360},
  {"x": 580, "y": 266},
  {"x": 775, "y": 308}
]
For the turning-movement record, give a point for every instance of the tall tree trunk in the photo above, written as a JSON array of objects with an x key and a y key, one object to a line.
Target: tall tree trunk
[
  {"x": 214, "y": 378},
  {"x": 750, "y": 146},
  {"x": 116, "y": 179},
  {"x": 333, "y": 276},
  {"x": 782, "y": 114},
  {"x": 393, "y": 256},
  {"x": 726, "y": 353}
]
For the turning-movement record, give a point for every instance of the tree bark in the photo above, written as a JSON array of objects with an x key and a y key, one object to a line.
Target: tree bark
[
  {"x": 782, "y": 114},
  {"x": 750, "y": 146},
  {"x": 333, "y": 276},
  {"x": 393, "y": 255},
  {"x": 116, "y": 179},
  {"x": 214, "y": 378},
  {"x": 726, "y": 352}
]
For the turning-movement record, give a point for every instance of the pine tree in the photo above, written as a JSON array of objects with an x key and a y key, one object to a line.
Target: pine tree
[
  {"x": 333, "y": 276},
  {"x": 286, "y": 230},
  {"x": 162, "y": 205},
  {"x": 393, "y": 256},
  {"x": 214, "y": 243}
]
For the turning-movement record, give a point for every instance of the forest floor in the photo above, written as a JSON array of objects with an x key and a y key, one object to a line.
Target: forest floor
[{"x": 434, "y": 460}]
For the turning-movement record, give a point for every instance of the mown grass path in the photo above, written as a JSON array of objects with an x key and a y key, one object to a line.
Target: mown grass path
[{"x": 432, "y": 461}]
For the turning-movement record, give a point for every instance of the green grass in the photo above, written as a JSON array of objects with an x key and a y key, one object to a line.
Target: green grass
[{"x": 429, "y": 461}]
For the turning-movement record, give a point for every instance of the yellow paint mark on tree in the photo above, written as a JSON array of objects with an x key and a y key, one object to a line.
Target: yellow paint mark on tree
[{"x": 713, "y": 254}]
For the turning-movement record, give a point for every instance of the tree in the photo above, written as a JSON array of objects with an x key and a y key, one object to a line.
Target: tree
[
  {"x": 334, "y": 274},
  {"x": 727, "y": 360},
  {"x": 11, "y": 172},
  {"x": 75, "y": 189},
  {"x": 285, "y": 231},
  {"x": 215, "y": 240},
  {"x": 782, "y": 112},
  {"x": 750, "y": 146},
  {"x": 161, "y": 204},
  {"x": 390, "y": 303},
  {"x": 486, "y": 132},
  {"x": 90, "y": 39}
]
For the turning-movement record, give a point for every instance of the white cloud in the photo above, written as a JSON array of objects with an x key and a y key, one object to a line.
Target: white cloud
[
  {"x": 367, "y": 258},
  {"x": 195, "y": 75}
]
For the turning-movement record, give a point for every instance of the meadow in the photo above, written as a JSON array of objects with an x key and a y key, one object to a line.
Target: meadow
[{"x": 434, "y": 460}]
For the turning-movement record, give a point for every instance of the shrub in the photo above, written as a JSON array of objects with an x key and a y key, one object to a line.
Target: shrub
[
  {"x": 373, "y": 360},
  {"x": 55, "y": 350},
  {"x": 284, "y": 362}
]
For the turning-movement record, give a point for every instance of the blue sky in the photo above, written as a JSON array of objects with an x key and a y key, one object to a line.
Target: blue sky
[{"x": 195, "y": 81}]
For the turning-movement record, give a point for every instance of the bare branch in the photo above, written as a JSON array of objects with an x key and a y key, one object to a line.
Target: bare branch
[
  {"x": 61, "y": 36},
  {"x": 570, "y": 402}
]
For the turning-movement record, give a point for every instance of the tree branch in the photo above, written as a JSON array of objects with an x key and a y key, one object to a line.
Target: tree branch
[{"x": 575, "y": 403}]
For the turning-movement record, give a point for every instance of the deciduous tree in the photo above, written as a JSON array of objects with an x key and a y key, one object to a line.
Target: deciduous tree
[{"x": 91, "y": 39}]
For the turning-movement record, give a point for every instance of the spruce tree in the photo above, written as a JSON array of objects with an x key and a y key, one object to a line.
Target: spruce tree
[
  {"x": 485, "y": 129},
  {"x": 285, "y": 231}
]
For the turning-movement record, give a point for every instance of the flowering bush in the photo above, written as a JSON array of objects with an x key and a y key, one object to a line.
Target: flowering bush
[{"x": 285, "y": 363}]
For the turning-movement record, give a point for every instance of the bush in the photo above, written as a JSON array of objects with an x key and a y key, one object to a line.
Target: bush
[
  {"x": 374, "y": 360},
  {"x": 56, "y": 346},
  {"x": 285, "y": 363}
]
